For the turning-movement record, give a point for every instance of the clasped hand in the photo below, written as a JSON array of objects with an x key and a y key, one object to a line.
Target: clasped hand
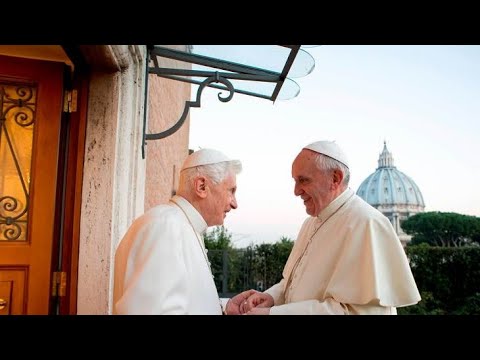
[{"x": 250, "y": 302}]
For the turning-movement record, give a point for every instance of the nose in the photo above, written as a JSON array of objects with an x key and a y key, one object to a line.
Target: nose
[
  {"x": 297, "y": 190},
  {"x": 233, "y": 203}
]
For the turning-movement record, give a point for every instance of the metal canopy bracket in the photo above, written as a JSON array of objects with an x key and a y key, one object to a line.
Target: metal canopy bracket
[{"x": 214, "y": 79}]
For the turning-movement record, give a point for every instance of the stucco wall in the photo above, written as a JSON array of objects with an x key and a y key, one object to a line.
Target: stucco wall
[
  {"x": 165, "y": 157},
  {"x": 114, "y": 172}
]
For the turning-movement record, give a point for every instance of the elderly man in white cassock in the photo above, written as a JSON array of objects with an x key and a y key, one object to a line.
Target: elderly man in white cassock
[
  {"x": 347, "y": 258},
  {"x": 161, "y": 264}
]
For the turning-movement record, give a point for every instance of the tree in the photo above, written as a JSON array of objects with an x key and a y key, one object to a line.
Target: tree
[
  {"x": 256, "y": 266},
  {"x": 448, "y": 279},
  {"x": 224, "y": 259},
  {"x": 218, "y": 239},
  {"x": 270, "y": 260},
  {"x": 443, "y": 229}
]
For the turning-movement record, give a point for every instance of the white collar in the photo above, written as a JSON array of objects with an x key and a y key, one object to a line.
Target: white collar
[
  {"x": 335, "y": 204},
  {"x": 198, "y": 223}
]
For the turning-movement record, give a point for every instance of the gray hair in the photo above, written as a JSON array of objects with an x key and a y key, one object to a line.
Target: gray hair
[
  {"x": 215, "y": 172},
  {"x": 326, "y": 163}
]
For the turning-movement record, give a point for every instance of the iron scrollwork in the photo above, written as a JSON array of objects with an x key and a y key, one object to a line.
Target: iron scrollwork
[
  {"x": 216, "y": 78},
  {"x": 17, "y": 106}
]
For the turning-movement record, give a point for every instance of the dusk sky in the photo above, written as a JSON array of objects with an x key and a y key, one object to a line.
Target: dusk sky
[{"x": 424, "y": 101}]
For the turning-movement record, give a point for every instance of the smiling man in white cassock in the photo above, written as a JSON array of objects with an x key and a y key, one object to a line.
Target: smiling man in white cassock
[
  {"x": 161, "y": 264},
  {"x": 347, "y": 258}
]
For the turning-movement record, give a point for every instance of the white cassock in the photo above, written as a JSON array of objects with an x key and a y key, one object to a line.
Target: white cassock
[
  {"x": 160, "y": 265},
  {"x": 346, "y": 260}
]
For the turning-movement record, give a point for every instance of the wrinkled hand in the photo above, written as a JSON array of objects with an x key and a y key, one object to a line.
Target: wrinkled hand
[
  {"x": 233, "y": 305},
  {"x": 256, "y": 300}
]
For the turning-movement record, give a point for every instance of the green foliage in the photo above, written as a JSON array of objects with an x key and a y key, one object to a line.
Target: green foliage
[
  {"x": 443, "y": 229},
  {"x": 218, "y": 239},
  {"x": 269, "y": 261},
  {"x": 470, "y": 306},
  {"x": 222, "y": 256},
  {"x": 427, "y": 306},
  {"x": 448, "y": 279},
  {"x": 236, "y": 270}
]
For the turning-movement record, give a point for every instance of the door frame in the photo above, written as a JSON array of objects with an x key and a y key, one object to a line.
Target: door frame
[{"x": 67, "y": 224}]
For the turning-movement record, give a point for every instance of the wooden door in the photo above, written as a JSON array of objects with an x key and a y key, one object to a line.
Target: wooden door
[{"x": 31, "y": 96}]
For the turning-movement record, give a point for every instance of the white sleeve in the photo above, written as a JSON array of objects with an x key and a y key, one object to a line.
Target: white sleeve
[
  {"x": 310, "y": 307},
  {"x": 330, "y": 307},
  {"x": 276, "y": 291}
]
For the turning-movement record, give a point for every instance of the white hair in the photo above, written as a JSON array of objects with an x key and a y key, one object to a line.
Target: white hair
[
  {"x": 324, "y": 162},
  {"x": 215, "y": 172}
]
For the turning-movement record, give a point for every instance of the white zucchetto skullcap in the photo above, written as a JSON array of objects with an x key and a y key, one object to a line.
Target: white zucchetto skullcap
[
  {"x": 329, "y": 148},
  {"x": 204, "y": 157}
]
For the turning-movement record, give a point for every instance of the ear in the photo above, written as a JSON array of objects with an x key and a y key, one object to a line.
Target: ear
[
  {"x": 337, "y": 179},
  {"x": 200, "y": 186}
]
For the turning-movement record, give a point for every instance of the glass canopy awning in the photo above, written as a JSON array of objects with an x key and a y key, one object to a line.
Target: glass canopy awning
[{"x": 264, "y": 71}]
